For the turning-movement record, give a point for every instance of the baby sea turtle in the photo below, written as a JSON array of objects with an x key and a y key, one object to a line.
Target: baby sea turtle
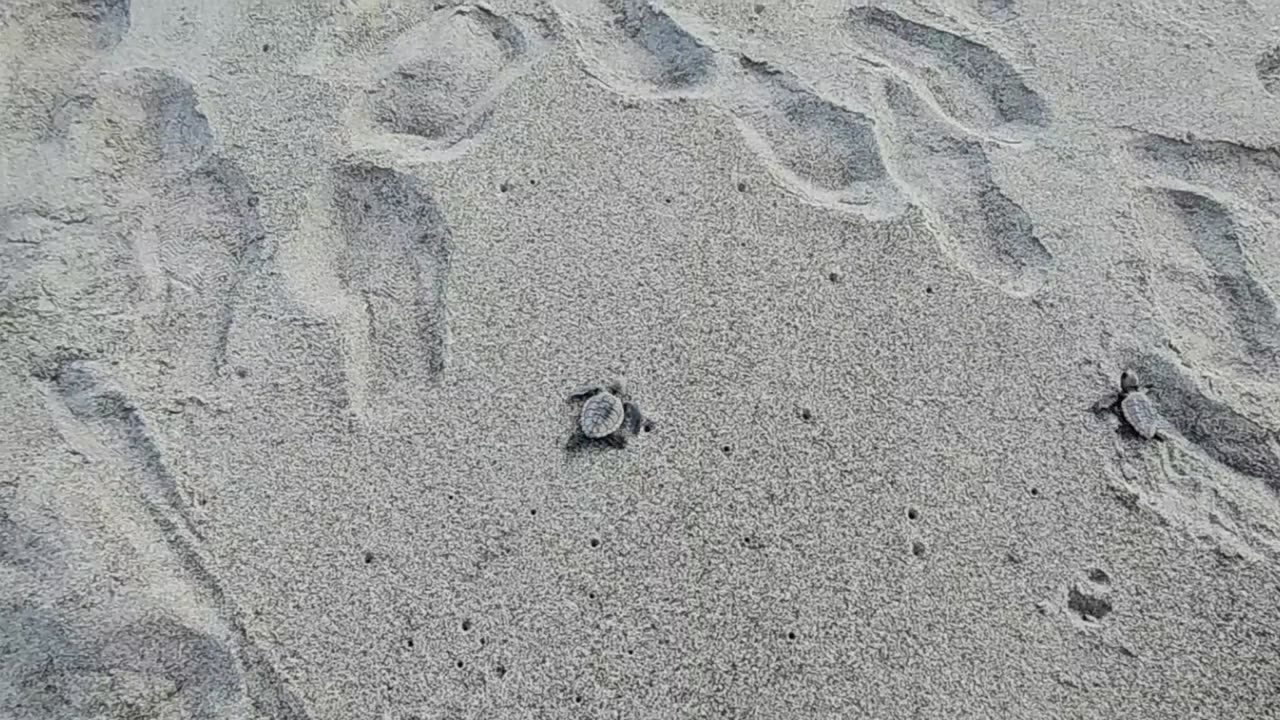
[
  {"x": 1135, "y": 406},
  {"x": 607, "y": 417}
]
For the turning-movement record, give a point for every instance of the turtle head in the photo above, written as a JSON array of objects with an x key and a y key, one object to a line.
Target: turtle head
[{"x": 1129, "y": 381}]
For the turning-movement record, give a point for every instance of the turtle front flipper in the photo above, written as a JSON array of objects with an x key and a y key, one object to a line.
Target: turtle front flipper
[
  {"x": 632, "y": 417},
  {"x": 586, "y": 392}
]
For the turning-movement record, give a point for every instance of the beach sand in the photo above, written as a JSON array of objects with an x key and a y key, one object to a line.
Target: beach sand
[{"x": 294, "y": 296}]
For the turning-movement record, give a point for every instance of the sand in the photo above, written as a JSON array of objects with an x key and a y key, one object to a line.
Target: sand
[{"x": 293, "y": 297}]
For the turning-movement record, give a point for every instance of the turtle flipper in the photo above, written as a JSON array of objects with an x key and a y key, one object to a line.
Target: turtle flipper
[
  {"x": 586, "y": 392},
  {"x": 632, "y": 417},
  {"x": 1108, "y": 404},
  {"x": 617, "y": 441}
]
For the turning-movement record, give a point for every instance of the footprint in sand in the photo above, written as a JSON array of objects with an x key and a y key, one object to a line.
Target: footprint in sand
[
  {"x": 1089, "y": 598},
  {"x": 972, "y": 83},
  {"x": 1205, "y": 261},
  {"x": 394, "y": 263},
  {"x": 192, "y": 219},
  {"x": 997, "y": 10},
  {"x": 66, "y": 278},
  {"x": 120, "y": 649},
  {"x": 48, "y": 46},
  {"x": 1268, "y": 68},
  {"x": 110, "y": 17},
  {"x": 142, "y": 126},
  {"x": 103, "y": 411},
  {"x": 829, "y": 153},
  {"x": 94, "y": 25},
  {"x": 424, "y": 79},
  {"x": 150, "y": 666},
  {"x": 1250, "y": 173},
  {"x": 637, "y": 49},
  {"x": 979, "y": 227}
]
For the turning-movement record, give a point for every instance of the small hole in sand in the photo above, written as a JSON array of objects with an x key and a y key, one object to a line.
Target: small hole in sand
[
  {"x": 917, "y": 548},
  {"x": 459, "y": 663},
  {"x": 791, "y": 635},
  {"x": 1035, "y": 491},
  {"x": 242, "y": 373},
  {"x": 409, "y": 642},
  {"x": 534, "y": 511},
  {"x": 367, "y": 207},
  {"x": 726, "y": 450},
  {"x": 533, "y": 182},
  {"x": 928, "y": 289},
  {"x": 912, "y": 513},
  {"x": 742, "y": 187},
  {"x": 503, "y": 187},
  {"x": 648, "y": 427},
  {"x": 591, "y": 596},
  {"x": 500, "y": 671},
  {"x": 368, "y": 557},
  {"x": 834, "y": 276},
  {"x": 806, "y": 415},
  {"x": 266, "y": 47},
  {"x": 577, "y": 698},
  {"x": 667, "y": 201},
  {"x": 595, "y": 542},
  {"x": 466, "y": 625}
]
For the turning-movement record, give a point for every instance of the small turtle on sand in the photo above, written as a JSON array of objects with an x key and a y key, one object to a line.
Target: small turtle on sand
[
  {"x": 1134, "y": 406},
  {"x": 607, "y": 417}
]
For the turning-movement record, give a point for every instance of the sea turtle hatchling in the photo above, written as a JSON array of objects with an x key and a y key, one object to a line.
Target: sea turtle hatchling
[
  {"x": 1136, "y": 407},
  {"x": 607, "y": 417}
]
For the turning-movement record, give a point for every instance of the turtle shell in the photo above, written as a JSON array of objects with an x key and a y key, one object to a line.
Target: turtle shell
[
  {"x": 602, "y": 415},
  {"x": 1140, "y": 413}
]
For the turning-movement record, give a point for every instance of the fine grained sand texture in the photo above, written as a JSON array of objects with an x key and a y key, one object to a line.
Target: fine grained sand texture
[{"x": 293, "y": 296}]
